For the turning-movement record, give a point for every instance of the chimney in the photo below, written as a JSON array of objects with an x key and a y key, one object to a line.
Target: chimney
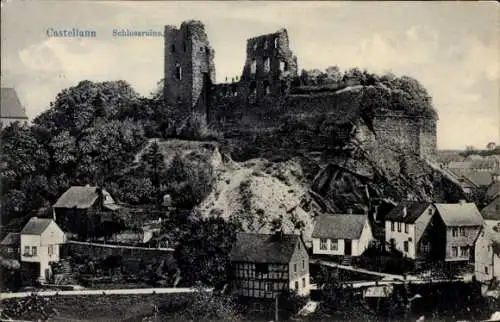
[
  {"x": 404, "y": 212},
  {"x": 461, "y": 201}
]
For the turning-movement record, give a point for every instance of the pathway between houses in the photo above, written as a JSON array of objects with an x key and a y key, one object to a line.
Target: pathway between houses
[{"x": 132, "y": 291}]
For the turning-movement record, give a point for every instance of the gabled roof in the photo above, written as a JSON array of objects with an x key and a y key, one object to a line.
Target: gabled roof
[
  {"x": 263, "y": 248},
  {"x": 80, "y": 197},
  {"x": 493, "y": 190},
  {"x": 459, "y": 214},
  {"x": 414, "y": 209},
  {"x": 339, "y": 226},
  {"x": 492, "y": 233},
  {"x": 12, "y": 239},
  {"x": 36, "y": 226},
  {"x": 492, "y": 210},
  {"x": 10, "y": 106}
]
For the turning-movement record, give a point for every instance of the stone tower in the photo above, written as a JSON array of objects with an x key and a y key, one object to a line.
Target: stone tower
[{"x": 189, "y": 70}]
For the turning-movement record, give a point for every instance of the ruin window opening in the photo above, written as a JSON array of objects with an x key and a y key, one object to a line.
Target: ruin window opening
[
  {"x": 253, "y": 87},
  {"x": 178, "y": 72},
  {"x": 184, "y": 46},
  {"x": 201, "y": 49},
  {"x": 267, "y": 64},
  {"x": 254, "y": 46},
  {"x": 234, "y": 90},
  {"x": 283, "y": 66},
  {"x": 253, "y": 67},
  {"x": 172, "y": 48},
  {"x": 276, "y": 42},
  {"x": 207, "y": 50},
  {"x": 267, "y": 88},
  {"x": 266, "y": 44}
]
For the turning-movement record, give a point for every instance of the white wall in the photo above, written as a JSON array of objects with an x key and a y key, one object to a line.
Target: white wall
[
  {"x": 401, "y": 237},
  {"x": 358, "y": 246}
]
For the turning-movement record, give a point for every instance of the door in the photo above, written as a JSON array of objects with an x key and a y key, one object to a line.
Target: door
[{"x": 347, "y": 247}]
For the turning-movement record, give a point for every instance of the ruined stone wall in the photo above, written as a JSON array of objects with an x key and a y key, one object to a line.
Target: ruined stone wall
[{"x": 269, "y": 63}]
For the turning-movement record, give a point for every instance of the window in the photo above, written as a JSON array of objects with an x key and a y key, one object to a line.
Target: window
[
  {"x": 454, "y": 232},
  {"x": 298, "y": 245},
  {"x": 464, "y": 251},
  {"x": 392, "y": 225},
  {"x": 253, "y": 67},
  {"x": 172, "y": 48},
  {"x": 486, "y": 270},
  {"x": 178, "y": 72},
  {"x": 261, "y": 268},
  {"x": 463, "y": 232},
  {"x": 253, "y": 89},
  {"x": 267, "y": 88},
  {"x": 184, "y": 46},
  {"x": 304, "y": 282},
  {"x": 276, "y": 41},
  {"x": 303, "y": 264},
  {"x": 296, "y": 285},
  {"x": 405, "y": 246},
  {"x": 454, "y": 251},
  {"x": 10, "y": 250},
  {"x": 497, "y": 207},
  {"x": 334, "y": 244},
  {"x": 267, "y": 64},
  {"x": 294, "y": 268},
  {"x": 406, "y": 228},
  {"x": 426, "y": 248},
  {"x": 51, "y": 250},
  {"x": 33, "y": 251},
  {"x": 26, "y": 251},
  {"x": 322, "y": 244},
  {"x": 430, "y": 211},
  {"x": 255, "y": 46},
  {"x": 201, "y": 49},
  {"x": 266, "y": 44},
  {"x": 399, "y": 227}
]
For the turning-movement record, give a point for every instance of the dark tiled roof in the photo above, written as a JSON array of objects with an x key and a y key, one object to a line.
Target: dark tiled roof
[
  {"x": 414, "y": 210},
  {"x": 12, "y": 239},
  {"x": 263, "y": 248},
  {"x": 492, "y": 210},
  {"x": 36, "y": 226},
  {"x": 459, "y": 214},
  {"x": 339, "y": 226},
  {"x": 10, "y": 106},
  {"x": 77, "y": 197}
]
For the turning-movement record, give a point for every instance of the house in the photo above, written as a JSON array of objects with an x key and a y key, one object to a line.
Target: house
[
  {"x": 40, "y": 240},
  {"x": 408, "y": 229},
  {"x": 492, "y": 211},
  {"x": 459, "y": 225},
  {"x": 264, "y": 265},
  {"x": 487, "y": 253},
  {"x": 11, "y": 110},
  {"x": 9, "y": 246},
  {"x": 345, "y": 235},
  {"x": 81, "y": 210}
]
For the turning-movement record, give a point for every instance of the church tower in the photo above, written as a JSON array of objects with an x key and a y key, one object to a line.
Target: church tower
[{"x": 189, "y": 70}]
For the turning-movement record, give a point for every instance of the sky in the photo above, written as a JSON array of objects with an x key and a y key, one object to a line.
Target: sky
[{"x": 452, "y": 48}]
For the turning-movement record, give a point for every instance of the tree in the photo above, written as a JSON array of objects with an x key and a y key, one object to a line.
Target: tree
[
  {"x": 155, "y": 163},
  {"x": 202, "y": 253}
]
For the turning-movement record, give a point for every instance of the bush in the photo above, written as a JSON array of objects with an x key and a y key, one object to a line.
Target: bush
[{"x": 195, "y": 127}]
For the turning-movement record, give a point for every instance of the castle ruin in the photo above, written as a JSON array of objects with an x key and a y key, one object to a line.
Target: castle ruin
[{"x": 259, "y": 101}]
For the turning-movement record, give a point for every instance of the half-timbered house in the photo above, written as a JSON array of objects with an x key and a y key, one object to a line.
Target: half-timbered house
[{"x": 264, "y": 265}]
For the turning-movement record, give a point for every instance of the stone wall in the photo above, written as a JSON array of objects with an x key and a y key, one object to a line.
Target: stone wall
[{"x": 131, "y": 256}]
